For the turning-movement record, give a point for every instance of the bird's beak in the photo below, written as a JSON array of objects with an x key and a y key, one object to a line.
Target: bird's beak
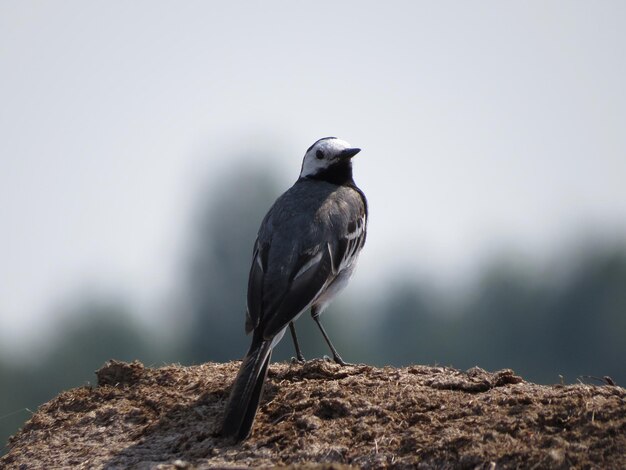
[{"x": 348, "y": 153}]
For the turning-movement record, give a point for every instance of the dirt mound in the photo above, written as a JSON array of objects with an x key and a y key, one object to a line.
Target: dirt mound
[{"x": 321, "y": 415}]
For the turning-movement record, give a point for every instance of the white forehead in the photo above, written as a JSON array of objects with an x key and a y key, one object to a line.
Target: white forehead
[{"x": 332, "y": 145}]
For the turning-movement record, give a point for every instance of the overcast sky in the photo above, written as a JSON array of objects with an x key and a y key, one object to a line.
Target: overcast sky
[{"x": 484, "y": 126}]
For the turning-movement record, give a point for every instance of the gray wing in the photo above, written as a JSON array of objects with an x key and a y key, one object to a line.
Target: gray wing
[
  {"x": 276, "y": 302},
  {"x": 255, "y": 286},
  {"x": 298, "y": 253},
  {"x": 346, "y": 249}
]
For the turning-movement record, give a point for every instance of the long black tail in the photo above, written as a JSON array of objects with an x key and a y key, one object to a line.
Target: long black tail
[{"x": 246, "y": 391}]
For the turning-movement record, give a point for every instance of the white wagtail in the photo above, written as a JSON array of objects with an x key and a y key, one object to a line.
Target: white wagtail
[{"x": 304, "y": 254}]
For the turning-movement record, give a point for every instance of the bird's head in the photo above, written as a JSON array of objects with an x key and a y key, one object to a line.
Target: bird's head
[{"x": 328, "y": 156}]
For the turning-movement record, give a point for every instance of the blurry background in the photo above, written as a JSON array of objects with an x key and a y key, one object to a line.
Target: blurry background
[{"x": 142, "y": 143}]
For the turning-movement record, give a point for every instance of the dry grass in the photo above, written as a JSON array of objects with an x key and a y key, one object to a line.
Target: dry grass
[{"x": 319, "y": 415}]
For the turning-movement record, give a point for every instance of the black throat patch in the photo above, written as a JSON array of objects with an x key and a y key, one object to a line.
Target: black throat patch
[{"x": 340, "y": 174}]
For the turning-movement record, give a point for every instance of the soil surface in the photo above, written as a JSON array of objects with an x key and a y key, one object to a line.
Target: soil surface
[{"x": 321, "y": 415}]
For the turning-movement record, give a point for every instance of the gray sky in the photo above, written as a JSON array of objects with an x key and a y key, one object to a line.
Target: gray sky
[{"x": 485, "y": 126}]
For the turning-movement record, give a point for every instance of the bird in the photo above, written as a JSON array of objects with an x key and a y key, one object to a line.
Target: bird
[{"x": 305, "y": 253}]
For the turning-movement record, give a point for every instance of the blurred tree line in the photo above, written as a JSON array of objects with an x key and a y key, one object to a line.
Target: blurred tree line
[{"x": 541, "y": 325}]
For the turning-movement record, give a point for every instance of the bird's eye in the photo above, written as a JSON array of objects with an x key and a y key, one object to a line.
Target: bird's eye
[{"x": 319, "y": 154}]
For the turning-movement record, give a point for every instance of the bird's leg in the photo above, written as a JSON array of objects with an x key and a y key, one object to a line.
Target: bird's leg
[
  {"x": 336, "y": 356},
  {"x": 299, "y": 355}
]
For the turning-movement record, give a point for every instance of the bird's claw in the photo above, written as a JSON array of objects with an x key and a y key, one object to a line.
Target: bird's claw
[
  {"x": 337, "y": 360},
  {"x": 341, "y": 362}
]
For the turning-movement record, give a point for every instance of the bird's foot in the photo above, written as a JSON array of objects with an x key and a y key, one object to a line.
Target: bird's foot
[
  {"x": 298, "y": 360},
  {"x": 337, "y": 360}
]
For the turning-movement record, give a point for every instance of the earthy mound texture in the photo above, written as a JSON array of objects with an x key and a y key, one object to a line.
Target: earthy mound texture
[{"x": 321, "y": 415}]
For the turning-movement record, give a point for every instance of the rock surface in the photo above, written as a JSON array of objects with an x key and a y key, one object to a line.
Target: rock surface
[{"x": 321, "y": 415}]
